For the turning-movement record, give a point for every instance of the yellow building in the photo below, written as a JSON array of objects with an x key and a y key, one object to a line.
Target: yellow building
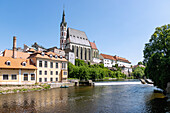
[
  {"x": 50, "y": 67},
  {"x": 16, "y": 71}
]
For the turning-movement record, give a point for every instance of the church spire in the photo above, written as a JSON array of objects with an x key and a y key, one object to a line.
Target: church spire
[{"x": 63, "y": 19}]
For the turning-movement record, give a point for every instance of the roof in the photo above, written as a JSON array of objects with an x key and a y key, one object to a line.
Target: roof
[
  {"x": 9, "y": 53},
  {"x": 37, "y": 55},
  {"x": 31, "y": 50},
  {"x": 93, "y": 45},
  {"x": 52, "y": 53},
  {"x": 107, "y": 56},
  {"x": 78, "y": 37},
  {"x": 121, "y": 59},
  {"x": 15, "y": 63}
]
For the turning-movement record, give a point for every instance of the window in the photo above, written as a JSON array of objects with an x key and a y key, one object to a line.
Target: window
[
  {"x": 81, "y": 55},
  {"x": 80, "y": 37},
  {"x": 45, "y": 79},
  {"x": 32, "y": 76},
  {"x": 40, "y": 72},
  {"x": 51, "y": 64},
  {"x": 89, "y": 54},
  {"x": 65, "y": 73},
  {"x": 62, "y": 34},
  {"x": 77, "y": 51},
  {"x": 5, "y": 77},
  {"x": 77, "y": 37},
  {"x": 14, "y": 77},
  {"x": 56, "y": 65},
  {"x": 56, "y": 79},
  {"x": 25, "y": 77},
  {"x": 42, "y": 54},
  {"x": 64, "y": 65},
  {"x": 51, "y": 79},
  {"x": 45, "y": 72},
  {"x": 56, "y": 72},
  {"x": 61, "y": 57},
  {"x": 40, "y": 63},
  {"x": 51, "y": 55},
  {"x": 73, "y": 48},
  {"x": 45, "y": 64},
  {"x": 56, "y": 56},
  {"x": 51, "y": 72},
  {"x": 85, "y": 54},
  {"x": 23, "y": 63},
  {"x": 8, "y": 63},
  {"x": 40, "y": 79},
  {"x": 73, "y": 35}
]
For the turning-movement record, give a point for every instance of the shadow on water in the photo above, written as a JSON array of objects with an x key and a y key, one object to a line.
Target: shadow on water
[{"x": 86, "y": 99}]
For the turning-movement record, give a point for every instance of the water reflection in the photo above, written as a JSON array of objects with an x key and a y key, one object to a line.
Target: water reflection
[{"x": 110, "y": 99}]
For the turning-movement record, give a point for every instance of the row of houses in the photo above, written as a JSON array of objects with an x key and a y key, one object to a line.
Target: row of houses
[{"x": 18, "y": 67}]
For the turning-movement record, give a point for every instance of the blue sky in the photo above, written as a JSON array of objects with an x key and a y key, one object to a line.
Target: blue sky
[{"x": 119, "y": 27}]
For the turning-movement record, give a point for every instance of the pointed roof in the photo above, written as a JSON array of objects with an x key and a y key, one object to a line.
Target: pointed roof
[
  {"x": 93, "y": 45},
  {"x": 63, "y": 19}
]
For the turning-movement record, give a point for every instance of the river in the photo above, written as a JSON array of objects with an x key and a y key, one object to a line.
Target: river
[{"x": 115, "y": 98}]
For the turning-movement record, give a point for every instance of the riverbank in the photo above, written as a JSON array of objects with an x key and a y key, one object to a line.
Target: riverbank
[{"x": 29, "y": 88}]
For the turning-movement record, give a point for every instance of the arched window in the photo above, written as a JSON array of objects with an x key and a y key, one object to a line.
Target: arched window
[
  {"x": 77, "y": 51},
  {"x": 85, "y": 54},
  {"x": 73, "y": 48},
  {"x": 89, "y": 54},
  {"x": 81, "y": 53},
  {"x": 23, "y": 63},
  {"x": 8, "y": 63}
]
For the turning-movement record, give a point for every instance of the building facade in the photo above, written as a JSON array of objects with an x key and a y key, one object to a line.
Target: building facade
[
  {"x": 16, "y": 71},
  {"x": 50, "y": 67}
]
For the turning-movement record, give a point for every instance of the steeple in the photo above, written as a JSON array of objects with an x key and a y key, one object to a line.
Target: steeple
[{"x": 63, "y": 19}]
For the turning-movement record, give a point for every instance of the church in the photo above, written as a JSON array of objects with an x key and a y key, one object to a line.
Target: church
[{"x": 77, "y": 42}]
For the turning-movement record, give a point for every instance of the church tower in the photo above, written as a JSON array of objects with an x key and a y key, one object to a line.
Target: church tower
[{"x": 63, "y": 32}]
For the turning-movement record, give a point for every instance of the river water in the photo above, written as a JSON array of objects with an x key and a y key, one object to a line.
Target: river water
[{"x": 111, "y": 98}]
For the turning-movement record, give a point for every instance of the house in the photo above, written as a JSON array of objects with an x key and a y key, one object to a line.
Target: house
[
  {"x": 107, "y": 60},
  {"x": 16, "y": 71},
  {"x": 50, "y": 67}
]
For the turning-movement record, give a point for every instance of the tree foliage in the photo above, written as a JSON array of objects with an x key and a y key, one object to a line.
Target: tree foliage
[
  {"x": 84, "y": 71},
  {"x": 138, "y": 72},
  {"x": 157, "y": 56}
]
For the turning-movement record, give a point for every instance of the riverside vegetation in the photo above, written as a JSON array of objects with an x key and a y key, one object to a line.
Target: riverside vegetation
[
  {"x": 157, "y": 57},
  {"x": 83, "y": 71}
]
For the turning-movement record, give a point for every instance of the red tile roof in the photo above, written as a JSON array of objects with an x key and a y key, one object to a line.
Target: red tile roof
[
  {"x": 121, "y": 59},
  {"x": 107, "y": 56},
  {"x": 93, "y": 45},
  {"x": 15, "y": 63},
  {"x": 22, "y": 55}
]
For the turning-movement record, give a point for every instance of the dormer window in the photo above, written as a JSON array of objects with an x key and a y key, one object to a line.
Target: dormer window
[
  {"x": 56, "y": 56},
  {"x": 23, "y": 63},
  {"x": 61, "y": 57},
  {"x": 51, "y": 55},
  {"x": 42, "y": 54},
  {"x": 8, "y": 63}
]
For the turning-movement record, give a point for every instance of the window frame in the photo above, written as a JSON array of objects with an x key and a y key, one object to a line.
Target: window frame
[
  {"x": 12, "y": 75},
  {"x": 7, "y": 76},
  {"x": 41, "y": 63},
  {"x": 31, "y": 76},
  {"x": 24, "y": 76}
]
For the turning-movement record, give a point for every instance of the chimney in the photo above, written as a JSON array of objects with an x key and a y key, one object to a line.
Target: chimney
[{"x": 14, "y": 47}]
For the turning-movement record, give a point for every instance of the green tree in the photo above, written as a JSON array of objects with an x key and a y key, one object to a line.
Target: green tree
[
  {"x": 138, "y": 72},
  {"x": 157, "y": 56},
  {"x": 140, "y": 63}
]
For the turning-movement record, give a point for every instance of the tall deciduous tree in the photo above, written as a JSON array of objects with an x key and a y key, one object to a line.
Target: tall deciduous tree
[{"x": 157, "y": 56}]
